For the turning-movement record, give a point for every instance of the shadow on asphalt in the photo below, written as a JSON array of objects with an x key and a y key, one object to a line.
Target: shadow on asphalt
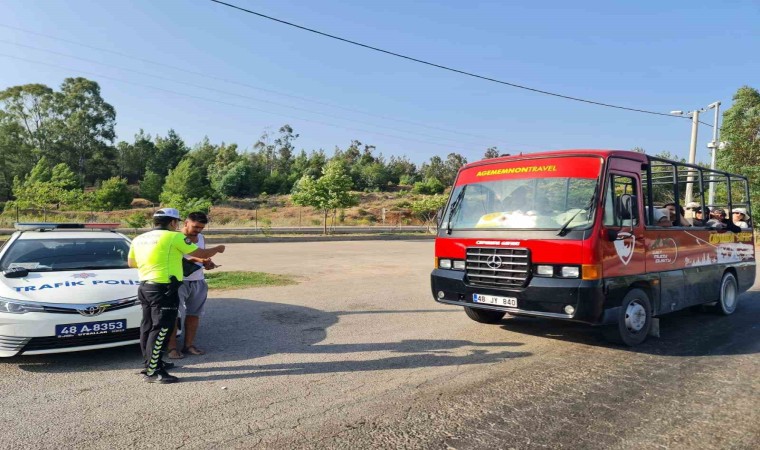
[
  {"x": 243, "y": 330},
  {"x": 683, "y": 333}
]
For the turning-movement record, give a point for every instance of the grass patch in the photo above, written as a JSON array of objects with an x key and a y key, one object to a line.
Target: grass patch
[{"x": 240, "y": 280}]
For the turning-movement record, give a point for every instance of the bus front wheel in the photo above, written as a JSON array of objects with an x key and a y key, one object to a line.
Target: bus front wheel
[
  {"x": 483, "y": 316},
  {"x": 729, "y": 295},
  {"x": 634, "y": 322}
]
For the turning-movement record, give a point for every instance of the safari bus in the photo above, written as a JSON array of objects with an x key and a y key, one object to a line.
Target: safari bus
[{"x": 604, "y": 237}]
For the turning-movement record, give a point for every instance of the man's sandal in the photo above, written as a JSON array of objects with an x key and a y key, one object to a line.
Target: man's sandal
[
  {"x": 174, "y": 354},
  {"x": 193, "y": 350}
]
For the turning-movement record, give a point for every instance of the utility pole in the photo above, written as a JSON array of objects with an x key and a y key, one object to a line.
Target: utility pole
[
  {"x": 714, "y": 146},
  {"x": 693, "y": 146}
]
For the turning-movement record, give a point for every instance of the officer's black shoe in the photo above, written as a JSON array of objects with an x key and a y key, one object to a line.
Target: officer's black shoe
[
  {"x": 166, "y": 365},
  {"x": 161, "y": 377}
]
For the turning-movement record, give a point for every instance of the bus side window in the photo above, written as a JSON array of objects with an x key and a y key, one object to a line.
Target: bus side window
[{"x": 620, "y": 204}]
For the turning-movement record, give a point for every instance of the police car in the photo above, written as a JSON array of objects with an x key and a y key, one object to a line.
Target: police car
[{"x": 66, "y": 287}]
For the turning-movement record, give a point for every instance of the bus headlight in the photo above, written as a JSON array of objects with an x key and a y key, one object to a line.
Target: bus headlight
[
  {"x": 458, "y": 264},
  {"x": 545, "y": 271},
  {"x": 570, "y": 272},
  {"x": 444, "y": 263}
]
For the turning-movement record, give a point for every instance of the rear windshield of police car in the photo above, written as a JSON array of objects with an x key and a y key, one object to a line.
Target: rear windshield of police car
[{"x": 48, "y": 255}]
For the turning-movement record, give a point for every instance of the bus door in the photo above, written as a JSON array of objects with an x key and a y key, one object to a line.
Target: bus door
[{"x": 623, "y": 232}]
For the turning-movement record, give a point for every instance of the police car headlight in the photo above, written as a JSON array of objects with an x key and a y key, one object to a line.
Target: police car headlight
[{"x": 14, "y": 307}]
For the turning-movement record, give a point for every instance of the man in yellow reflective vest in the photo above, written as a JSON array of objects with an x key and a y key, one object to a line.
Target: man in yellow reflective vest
[{"x": 157, "y": 255}]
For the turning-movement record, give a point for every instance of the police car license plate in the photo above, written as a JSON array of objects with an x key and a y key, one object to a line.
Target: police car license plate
[
  {"x": 91, "y": 328},
  {"x": 494, "y": 300}
]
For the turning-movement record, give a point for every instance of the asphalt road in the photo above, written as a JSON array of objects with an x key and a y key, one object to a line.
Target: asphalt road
[{"x": 358, "y": 355}]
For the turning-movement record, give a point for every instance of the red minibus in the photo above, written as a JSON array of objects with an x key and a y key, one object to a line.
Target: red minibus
[{"x": 604, "y": 237}]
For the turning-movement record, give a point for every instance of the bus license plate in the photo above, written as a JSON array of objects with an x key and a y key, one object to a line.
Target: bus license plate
[
  {"x": 494, "y": 300},
  {"x": 91, "y": 328}
]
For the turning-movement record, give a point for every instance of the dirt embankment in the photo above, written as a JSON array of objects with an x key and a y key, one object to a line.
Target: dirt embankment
[{"x": 380, "y": 208}]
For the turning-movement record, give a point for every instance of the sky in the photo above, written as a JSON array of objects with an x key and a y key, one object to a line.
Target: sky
[{"x": 204, "y": 69}]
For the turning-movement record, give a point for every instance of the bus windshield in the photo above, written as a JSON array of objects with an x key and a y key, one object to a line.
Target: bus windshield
[{"x": 539, "y": 203}]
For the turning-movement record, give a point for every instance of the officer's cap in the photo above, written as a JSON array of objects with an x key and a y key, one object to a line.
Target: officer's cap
[{"x": 167, "y": 212}]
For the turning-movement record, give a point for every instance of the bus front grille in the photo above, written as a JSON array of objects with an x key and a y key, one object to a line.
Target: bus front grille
[{"x": 497, "y": 267}]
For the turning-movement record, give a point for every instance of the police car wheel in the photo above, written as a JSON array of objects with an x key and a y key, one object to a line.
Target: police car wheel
[
  {"x": 729, "y": 295},
  {"x": 483, "y": 316},
  {"x": 634, "y": 322}
]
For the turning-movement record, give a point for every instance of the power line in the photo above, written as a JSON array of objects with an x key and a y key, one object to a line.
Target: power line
[
  {"x": 448, "y": 146},
  {"x": 200, "y": 86},
  {"x": 193, "y": 72},
  {"x": 439, "y": 66}
]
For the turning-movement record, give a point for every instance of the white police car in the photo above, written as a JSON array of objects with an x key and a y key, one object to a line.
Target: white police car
[{"x": 66, "y": 287}]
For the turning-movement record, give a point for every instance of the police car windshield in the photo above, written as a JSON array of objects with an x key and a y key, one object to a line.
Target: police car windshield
[{"x": 46, "y": 255}]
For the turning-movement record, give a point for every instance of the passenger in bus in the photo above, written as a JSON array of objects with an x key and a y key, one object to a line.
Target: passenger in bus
[
  {"x": 739, "y": 217},
  {"x": 719, "y": 220},
  {"x": 681, "y": 221},
  {"x": 662, "y": 218},
  {"x": 701, "y": 216}
]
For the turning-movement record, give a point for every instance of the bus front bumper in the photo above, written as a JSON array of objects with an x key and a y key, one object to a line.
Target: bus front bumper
[{"x": 542, "y": 297}]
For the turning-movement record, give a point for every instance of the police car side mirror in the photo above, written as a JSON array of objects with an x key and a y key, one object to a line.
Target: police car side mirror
[{"x": 16, "y": 272}]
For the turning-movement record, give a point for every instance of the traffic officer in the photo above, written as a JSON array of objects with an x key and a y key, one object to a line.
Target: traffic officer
[{"x": 157, "y": 255}]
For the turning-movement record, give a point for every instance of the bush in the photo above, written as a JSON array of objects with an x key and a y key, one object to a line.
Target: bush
[
  {"x": 114, "y": 193},
  {"x": 430, "y": 186},
  {"x": 136, "y": 220}
]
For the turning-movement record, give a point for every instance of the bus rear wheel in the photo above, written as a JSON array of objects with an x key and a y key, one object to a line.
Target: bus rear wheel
[
  {"x": 634, "y": 321},
  {"x": 729, "y": 295},
  {"x": 483, "y": 316}
]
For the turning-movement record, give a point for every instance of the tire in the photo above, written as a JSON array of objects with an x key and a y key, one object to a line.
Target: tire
[
  {"x": 484, "y": 316},
  {"x": 729, "y": 295},
  {"x": 634, "y": 321}
]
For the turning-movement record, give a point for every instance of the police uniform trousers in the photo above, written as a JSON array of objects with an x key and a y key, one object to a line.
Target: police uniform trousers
[{"x": 159, "y": 313}]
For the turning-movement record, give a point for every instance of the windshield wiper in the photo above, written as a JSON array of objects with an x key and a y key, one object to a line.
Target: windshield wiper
[
  {"x": 99, "y": 267},
  {"x": 454, "y": 207},
  {"x": 564, "y": 229}
]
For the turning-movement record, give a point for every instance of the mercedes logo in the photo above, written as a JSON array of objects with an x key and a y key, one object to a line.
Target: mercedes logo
[
  {"x": 92, "y": 310},
  {"x": 494, "y": 261}
]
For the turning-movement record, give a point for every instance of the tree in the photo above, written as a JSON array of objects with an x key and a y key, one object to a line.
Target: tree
[
  {"x": 204, "y": 154},
  {"x": 741, "y": 132},
  {"x": 491, "y": 152},
  {"x": 434, "y": 169},
  {"x": 226, "y": 158},
  {"x": 86, "y": 123},
  {"x": 44, "y": 188},
  {"x": 63, "y": 177},
  {"x": 41, "y": 172},
  {"x": 236, "y": 180},
  {"x": 132, "y": 158},
  {"x": 151, "y": 186},
  {"x": 185, "y": 190},
  {"x": 427, "y": 208},
  {"x": 285, "y": 148},
  {"x": 113, "y": 194},
  {"x": 169, "y": 151},
  {"x": 32, "y": 108},
  {"x": 454, "y": 162},
  {"x": 74, "y": 126},
  {"x": 399, "y": 167},
  {"x": 331, "y": 191},
  {"x": 184, "y": 181}
]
